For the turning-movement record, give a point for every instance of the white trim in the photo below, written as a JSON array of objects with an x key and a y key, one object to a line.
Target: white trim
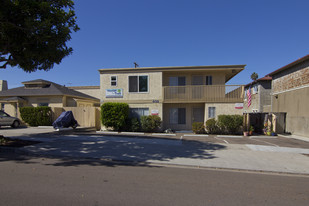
[
  {"x": 195, "y": 135},
  {"x": 113, "y": 81},
  {"x": 163, "y": 134},
  {"x": 293, "y": 89}
]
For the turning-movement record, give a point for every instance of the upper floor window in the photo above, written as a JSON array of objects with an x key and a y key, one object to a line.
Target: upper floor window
[
  {"x": 197, "y": 80},
  {"x": 208, "y": 80},
  {"x": 113, "y": 80},
  {"x": 138, "y": 83},
  {"x": 177, "y": 81}
]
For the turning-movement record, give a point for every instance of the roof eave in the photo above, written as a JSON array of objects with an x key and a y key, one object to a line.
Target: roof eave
[
  {"x": 179, "y": 68},
  {"x": 300, "y": 60}
]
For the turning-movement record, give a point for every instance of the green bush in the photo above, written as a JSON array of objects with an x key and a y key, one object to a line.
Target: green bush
[
  {"x": 115, "y": 115},
  {"x": 150, "y": 123},
  {"x": 36, "y": 116},
  {"x": 198, "y": 128},
  {"x": 230, "y": 124},
  {"x": 135, "y": 125},
  {"x": 212, "y": 126}
]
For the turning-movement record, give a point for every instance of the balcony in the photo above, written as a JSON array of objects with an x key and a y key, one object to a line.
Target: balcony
[{"x": 203, "y": 94}]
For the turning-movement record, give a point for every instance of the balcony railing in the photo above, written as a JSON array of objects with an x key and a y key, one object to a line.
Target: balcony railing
[{"x": 203, "y": 93}]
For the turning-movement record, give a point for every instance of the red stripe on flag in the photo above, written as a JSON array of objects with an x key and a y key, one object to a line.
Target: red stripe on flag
[{"x": 249, "y": 96}]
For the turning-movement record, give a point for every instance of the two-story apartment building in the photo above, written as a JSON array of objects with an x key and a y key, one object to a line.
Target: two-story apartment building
[
  {"x": 290, "y": 94},
  {"x": 179, "y": 95}
]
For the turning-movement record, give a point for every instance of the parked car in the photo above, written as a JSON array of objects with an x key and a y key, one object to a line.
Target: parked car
[{"x": 7, "y": 120}]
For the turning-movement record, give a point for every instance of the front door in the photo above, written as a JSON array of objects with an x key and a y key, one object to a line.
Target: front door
[{"x": 197, "y": 114}]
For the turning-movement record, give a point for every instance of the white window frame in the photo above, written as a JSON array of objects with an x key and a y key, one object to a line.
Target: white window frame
[
  {"x": 138, "y": 83},
  {"x": 114, "y": 81}
]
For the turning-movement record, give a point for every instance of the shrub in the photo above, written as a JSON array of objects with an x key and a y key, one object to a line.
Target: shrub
[
  {"x": 212, "y": 126},
  {"x": 135, "y": 125},
  {"x": 198, "y": 128},
  {"x": 114, "y": 115},
  {"x": 230, "y": 124},
  {"x": 150, "y": 123},
  {"x": 36, "y": 116}
]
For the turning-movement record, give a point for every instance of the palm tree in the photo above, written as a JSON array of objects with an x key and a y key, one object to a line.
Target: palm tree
[{"x": 254, "y": 76}]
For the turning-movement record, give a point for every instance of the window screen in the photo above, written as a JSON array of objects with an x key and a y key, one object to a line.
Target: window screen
[
  {"x": 133, "y": 84},
  {"x": 211, "y": 112}
]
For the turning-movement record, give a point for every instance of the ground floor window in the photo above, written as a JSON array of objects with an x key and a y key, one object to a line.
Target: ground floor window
[
  {"x": 43, "y": 104},
  {"x": 138, "y": 112},
  {"x": 211, "y": 112},
  {"x": 177, "y": 115}
]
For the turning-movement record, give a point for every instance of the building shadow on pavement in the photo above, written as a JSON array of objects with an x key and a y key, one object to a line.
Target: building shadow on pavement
[{"x": 114, "y": 151}]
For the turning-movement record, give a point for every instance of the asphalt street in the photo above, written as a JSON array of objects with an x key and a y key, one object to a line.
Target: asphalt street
[{"x": 27, "y": 180}]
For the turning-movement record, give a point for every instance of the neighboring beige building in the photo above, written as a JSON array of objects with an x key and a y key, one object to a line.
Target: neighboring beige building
[
  {"x": 93, "y": 91},
  {"x": 43, "y": 93},
  {"x": 260, "y": 91},
  {"x": 179, "y": 95},
  {"x": 290, "y": 94}
]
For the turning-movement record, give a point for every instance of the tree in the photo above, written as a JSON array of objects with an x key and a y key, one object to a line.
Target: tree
[
  {"x": 33, "y": 34},
  {"x": 254, "y": 76}
]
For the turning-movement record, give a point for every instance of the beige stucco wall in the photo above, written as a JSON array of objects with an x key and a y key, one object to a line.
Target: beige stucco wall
[
  {"x": 154, "y": 81},
  {"x": 295, "y": 104},
  {"x": 11, "y": 109},
  {"x": 91, "y": 91},
  {"x": 222, "y": 108},
  {"x": 55, "y": 101}
]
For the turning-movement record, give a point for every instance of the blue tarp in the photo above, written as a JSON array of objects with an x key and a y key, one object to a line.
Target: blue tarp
[{"x": 66, "y": 119}]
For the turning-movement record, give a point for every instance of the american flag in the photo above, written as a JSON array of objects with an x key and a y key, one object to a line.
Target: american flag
[{"x": 249, "y": 96}]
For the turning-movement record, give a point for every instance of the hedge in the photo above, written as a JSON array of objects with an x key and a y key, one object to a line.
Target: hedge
[
  {"x": 115, "y": 115},
  {"x": 212, "y": 126},
  {"x": 150, "y": 123},
  {"x": 198, "y": 128},
  {"x": 36, "y": 116},
  {"x": 230, "y": 124}
]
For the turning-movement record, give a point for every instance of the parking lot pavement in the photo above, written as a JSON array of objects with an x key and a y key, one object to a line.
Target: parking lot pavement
[
  {"x": 277, "y": 141},
  {"x": 174, "y": 152},
  {"x": 259, "y": 153}
]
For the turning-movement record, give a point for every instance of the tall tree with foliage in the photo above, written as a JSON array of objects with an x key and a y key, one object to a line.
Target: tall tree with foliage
[
  {"x": 34, "y": 33},
  {"x": 254, "y": 76}
]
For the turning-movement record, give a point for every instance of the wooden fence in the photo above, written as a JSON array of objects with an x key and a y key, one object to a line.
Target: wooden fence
[{"x": 85, "y": 116}]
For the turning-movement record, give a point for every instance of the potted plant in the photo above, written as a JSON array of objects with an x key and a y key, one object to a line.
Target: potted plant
[
  {"x": 246, "y": 133},
  {"x": 251, "y": 130},
  {"x": 265, "y": 128}
]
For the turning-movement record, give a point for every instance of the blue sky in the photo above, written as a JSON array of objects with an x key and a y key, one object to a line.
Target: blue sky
[{"x": 263, "y": 34}]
